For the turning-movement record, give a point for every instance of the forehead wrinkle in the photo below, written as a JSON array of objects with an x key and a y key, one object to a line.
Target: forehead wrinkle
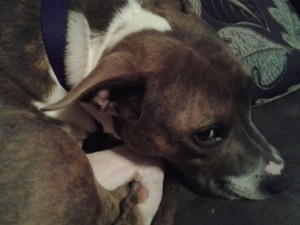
[
  {"x": 193, "y": 114},
  {"x": 191, "y": 96}
]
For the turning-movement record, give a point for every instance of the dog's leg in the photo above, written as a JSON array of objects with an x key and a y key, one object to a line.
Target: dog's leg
[
  {"x": 45, "y": 177},
  {"x": 129, "y": 212},
  {"x": 120, "y": 206}
]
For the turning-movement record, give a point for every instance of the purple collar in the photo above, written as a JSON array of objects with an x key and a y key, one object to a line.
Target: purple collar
[{"x": 54, "y": 28}]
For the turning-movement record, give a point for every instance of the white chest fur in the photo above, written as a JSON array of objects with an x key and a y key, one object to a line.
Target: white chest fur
[
  {"x": 85, "y": 48},
  {"x": 116, "y": 167}
]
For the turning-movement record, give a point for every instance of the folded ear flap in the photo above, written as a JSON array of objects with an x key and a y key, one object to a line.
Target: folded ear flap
[
  {"x": 113, "y": 82},
  {"x": 122, "y": 94},
  {"x": 178, "y": 5}
]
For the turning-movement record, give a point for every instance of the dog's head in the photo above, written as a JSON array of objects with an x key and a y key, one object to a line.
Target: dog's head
[{"x": 182, "y": 95}]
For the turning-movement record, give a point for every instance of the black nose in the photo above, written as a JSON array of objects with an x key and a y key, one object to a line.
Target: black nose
[{"x": 274, "y": 184}]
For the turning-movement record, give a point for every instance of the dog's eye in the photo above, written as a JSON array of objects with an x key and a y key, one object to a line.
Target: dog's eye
[{"x": 208, "y": 137}]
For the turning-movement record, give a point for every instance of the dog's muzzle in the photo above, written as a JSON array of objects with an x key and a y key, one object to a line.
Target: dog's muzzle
[{"x": 254, "y": 185}]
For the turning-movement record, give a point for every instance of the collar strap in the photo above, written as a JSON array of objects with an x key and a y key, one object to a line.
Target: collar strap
[{"x": 54, "y": 28}]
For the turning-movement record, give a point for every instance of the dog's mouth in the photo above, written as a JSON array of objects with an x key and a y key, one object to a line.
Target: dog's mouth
[
  {"x": 225, "y": 192},
  {"x": 225, "y": 189},
  {"x": 237, "y": 194},
  {"x": 222, "y": 189},
  {"x": 214, "y": 188}
]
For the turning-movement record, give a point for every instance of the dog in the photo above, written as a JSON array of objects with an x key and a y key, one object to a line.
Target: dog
[{"x": 157, "y": 77}]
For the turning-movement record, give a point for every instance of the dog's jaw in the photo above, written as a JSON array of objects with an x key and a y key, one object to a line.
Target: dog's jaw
[{"x": 247, "y": 185}]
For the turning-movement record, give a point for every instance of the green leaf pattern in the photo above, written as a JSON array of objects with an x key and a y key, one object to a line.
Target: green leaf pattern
[
  {"x": 289, "y": 21},
  {"x": 197, "y": 6},
  {"x": 247, "y": 31},
  {"x": 265, "y": 59}
]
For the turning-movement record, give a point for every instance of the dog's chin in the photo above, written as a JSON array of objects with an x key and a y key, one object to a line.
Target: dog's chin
[
  {"x": 226, "y": 190},
  {"x": 239, "y": 194}
]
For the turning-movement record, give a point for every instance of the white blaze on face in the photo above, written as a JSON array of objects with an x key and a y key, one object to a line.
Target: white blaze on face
[{"x": 274, "y": 168}]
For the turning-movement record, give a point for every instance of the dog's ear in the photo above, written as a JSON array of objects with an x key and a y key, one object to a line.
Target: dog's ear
[
  {"x": 114, "y": 82},
  {"x": 178, "y": 5}
]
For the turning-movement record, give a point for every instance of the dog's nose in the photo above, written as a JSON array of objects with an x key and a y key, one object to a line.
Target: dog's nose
[{"x": 274, "y": 184}]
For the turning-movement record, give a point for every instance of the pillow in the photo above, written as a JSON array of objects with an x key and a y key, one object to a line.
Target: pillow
[{"x": 265, "y": 35}]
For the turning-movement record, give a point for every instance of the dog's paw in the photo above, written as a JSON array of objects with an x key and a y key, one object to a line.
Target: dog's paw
[{"x": 129, "y": 213}]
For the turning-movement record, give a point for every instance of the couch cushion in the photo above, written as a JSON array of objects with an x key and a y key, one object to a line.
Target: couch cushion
[{"x": 265, "y": 35}]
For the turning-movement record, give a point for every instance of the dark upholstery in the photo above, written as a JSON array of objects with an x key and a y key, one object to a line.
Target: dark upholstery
[{"x": 296, "y": 5}]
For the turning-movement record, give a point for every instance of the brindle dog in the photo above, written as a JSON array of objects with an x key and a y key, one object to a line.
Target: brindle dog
[{"x": 174, "y": 89}]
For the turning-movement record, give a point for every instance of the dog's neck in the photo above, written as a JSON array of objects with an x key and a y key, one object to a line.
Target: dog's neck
[{"x": 85, "y": 47}]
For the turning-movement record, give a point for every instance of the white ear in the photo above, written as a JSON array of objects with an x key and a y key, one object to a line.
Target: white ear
[{"x": 79, "y": 54}]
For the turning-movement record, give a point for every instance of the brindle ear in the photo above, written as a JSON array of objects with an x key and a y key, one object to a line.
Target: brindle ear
[
  {"x": 178, "y": 5},
  {"x": 113, "y": 81},
  {"x": 122, "y": 94}
]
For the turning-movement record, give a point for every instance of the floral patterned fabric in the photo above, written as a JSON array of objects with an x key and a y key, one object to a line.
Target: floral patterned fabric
[{"x": 265, "y": 35}]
